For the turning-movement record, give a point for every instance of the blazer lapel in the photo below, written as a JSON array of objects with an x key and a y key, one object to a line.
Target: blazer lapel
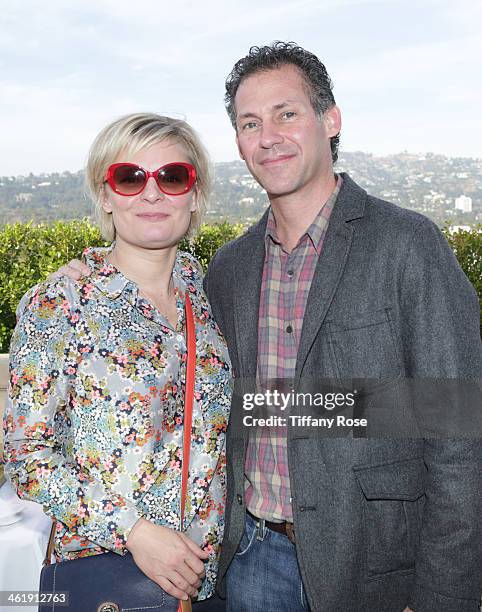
[
  {"x": 350, "y": 205},
  {"x": 248, "y": 274}
]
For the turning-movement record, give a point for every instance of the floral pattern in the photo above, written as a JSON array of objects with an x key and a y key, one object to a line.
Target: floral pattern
[{"x": 94, "y": 420}]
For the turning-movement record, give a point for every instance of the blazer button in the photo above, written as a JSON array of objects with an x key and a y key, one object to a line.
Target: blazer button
[{"x": 240, "y": 499}]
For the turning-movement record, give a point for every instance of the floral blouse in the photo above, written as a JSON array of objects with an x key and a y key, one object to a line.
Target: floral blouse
[{"x": 94, "y": 420}]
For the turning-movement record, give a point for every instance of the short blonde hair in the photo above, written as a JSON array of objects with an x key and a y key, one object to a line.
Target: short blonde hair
[{"x": 132, "y": 133}]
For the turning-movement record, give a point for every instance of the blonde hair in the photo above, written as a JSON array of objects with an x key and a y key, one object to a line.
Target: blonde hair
[{"x": 130, "y": 134}]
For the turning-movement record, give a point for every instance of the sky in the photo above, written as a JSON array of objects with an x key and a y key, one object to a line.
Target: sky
[{"x": 406, "y": 73}]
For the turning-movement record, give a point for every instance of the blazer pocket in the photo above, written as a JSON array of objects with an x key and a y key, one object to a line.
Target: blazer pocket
[
  {"x": 392, "y": 503},
  {"x": 365, "y": 348}
]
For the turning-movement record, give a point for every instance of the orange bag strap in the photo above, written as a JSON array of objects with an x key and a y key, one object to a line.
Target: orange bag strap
[
  {"x": 188, "y": 400},
  {"x": 186, "y": 606}
]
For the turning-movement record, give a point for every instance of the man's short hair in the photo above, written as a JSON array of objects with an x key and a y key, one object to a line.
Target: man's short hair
[{"x": 270, "y": 57}]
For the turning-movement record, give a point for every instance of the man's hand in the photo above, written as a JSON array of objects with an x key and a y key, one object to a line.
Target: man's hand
[
  {"x": 74, "y": 270},
  {"x": 167, "y": 557}
]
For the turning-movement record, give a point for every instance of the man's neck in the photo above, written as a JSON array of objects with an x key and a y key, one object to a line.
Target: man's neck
[{"x": 294, "y": 213}]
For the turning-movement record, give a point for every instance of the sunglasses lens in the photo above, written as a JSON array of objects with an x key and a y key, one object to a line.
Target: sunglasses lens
[
  {"x": 174, "y": 179},
  {"x": 129, "y": 179}
]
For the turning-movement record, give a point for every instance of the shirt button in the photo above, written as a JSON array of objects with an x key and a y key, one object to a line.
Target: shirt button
[
  {"x": 240, "y": 499},
  {"x": 290, "y": 273},
  {"x": 289, "y": 329},
  {"x": 180, "y": 338}
]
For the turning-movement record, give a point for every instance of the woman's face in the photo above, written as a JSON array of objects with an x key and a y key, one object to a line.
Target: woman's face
[{"x": 151, "y": 219}]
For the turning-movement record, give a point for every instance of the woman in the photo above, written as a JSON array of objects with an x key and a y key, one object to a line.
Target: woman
[{"x": 97, "y": 368}]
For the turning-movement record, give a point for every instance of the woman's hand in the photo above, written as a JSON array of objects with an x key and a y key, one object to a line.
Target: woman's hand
[
  {"x": 74, "y": 270},
  {"x": 167, "y": 557}
]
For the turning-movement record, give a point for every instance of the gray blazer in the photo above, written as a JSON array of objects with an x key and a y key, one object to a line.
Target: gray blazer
[{"x": 380, "y": 523}]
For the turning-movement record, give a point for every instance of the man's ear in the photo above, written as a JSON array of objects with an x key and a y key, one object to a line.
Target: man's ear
[{"x": 332, "y": 121}]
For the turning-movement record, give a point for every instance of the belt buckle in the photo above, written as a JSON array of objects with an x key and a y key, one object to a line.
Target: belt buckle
[
  {"x": 260, "y": 529},
  {"x": 290, "y": 532}
]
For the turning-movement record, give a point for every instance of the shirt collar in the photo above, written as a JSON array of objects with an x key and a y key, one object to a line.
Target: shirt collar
[
  {"x": 317, "y": 229},
  {"x": 113, "y": 284},
  {"x": 106, "y": 277}
]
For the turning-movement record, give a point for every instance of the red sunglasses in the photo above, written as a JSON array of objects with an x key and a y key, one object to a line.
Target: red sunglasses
[{"x": 130, "y": 179}]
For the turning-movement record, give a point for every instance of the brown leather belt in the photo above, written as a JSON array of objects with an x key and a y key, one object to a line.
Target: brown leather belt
[{"x": 285, "y": 528}]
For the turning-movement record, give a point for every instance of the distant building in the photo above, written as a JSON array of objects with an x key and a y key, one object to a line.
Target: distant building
[
  {"x": 23, "y": 197},
  {"x": 463, "y": 203},
  {"x": 246, "y": 201}
]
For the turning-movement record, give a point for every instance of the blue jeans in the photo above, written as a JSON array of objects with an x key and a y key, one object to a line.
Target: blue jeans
[{"x": 264, "y": 574}]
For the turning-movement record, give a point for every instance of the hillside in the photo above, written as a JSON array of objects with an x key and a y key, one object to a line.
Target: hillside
[{"x": 428, "y": 183}]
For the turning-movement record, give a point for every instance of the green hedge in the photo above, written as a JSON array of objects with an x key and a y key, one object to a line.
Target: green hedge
[
  {"x": 29, "y": 253},
  {"x": 467, "y": 246}
]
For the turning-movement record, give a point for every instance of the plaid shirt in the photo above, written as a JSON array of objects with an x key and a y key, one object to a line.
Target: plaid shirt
[{"x": 285, "y": 286}]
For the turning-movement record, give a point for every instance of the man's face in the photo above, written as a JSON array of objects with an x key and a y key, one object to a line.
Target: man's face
[{"x": 285, "y": 145}]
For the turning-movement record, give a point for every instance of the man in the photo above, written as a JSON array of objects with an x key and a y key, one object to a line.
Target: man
[{"x": 333, "y": 283}]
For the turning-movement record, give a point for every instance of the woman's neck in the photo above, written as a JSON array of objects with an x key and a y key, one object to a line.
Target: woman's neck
[{"x": 150, "y": 269}]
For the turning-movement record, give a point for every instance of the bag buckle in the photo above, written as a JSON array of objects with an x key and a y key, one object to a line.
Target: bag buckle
[{"x": 108, "y": 606}]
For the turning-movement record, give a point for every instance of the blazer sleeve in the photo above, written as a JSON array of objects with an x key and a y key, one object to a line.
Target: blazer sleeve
[
  {"x": 440, "y": 311},
  {"x": 211, "y": 290},
  {"x": 441, "y": 338},
  {"x": 44, "y": 356}
]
